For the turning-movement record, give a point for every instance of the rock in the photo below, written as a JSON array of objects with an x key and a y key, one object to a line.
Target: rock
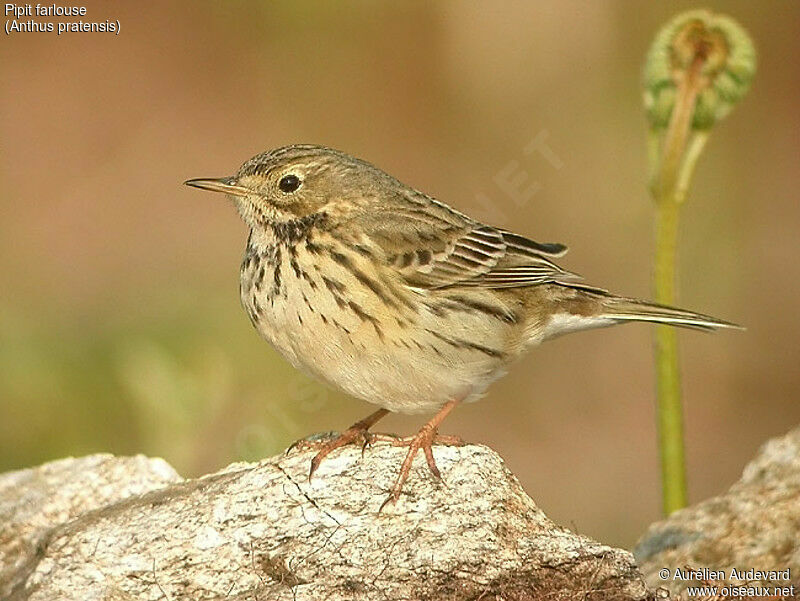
[
  {"x": 34, "y": 501},
  {"x": 128, "y": 528},
  {"x": 756, "y": 524}
]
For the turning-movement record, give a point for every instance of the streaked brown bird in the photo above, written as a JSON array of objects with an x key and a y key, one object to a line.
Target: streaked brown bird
[{"x": 396, "y": 298}]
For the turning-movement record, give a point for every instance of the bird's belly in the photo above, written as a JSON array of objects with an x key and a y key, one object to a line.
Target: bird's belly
[
  {"x": 405, "y": 361},
  {"x": 393, "y": 373}
]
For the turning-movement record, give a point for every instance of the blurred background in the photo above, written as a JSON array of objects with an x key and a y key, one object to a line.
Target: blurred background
[{"x": 120, "y": 324}]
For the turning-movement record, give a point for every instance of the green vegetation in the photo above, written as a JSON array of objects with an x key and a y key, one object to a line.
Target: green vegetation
[{"x": 698, "y": 67}]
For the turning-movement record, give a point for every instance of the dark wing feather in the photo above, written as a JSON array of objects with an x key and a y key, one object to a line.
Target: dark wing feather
[
  {"x": 434, "y": 246},
  {"x": 522, "y": 245}
]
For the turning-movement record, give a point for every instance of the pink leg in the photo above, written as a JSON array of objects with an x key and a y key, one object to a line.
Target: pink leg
[
  {"x": 424, "y": 439},
  {"x": 358, "y": 430}
]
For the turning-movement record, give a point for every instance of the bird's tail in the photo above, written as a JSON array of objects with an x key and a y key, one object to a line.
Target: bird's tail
[
  {"x": 622, "y": 309},
  {"x": 574, "y": 307}
]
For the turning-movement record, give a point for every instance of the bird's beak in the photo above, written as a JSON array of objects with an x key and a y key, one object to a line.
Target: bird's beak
[{"x": 222, "y": 184}]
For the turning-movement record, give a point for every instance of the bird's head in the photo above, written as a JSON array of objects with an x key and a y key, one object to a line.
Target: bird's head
[{"x": 293, "y": 182}]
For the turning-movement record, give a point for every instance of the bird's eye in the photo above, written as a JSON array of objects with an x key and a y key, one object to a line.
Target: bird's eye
[{"x": 289, "y": 183}]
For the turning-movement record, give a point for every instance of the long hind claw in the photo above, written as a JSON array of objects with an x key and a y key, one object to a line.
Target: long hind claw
[{"x": 358, "y": 431}]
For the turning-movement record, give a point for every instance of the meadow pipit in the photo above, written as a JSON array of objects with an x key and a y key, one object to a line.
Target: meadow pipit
[{"x": 396, "y": 298}]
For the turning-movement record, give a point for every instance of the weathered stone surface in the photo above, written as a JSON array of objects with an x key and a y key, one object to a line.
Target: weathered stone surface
[
  {"x": 263, "y": 532},
  {"x": 35, "y": 500},
  {"x": 756, "y": 524}
]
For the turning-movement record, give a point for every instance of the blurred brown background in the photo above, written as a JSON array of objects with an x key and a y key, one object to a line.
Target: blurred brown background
[{"x": 120, "y": 324}]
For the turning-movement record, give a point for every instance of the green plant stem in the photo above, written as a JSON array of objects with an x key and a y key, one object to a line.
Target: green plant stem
[
  {"x": 669, "y": 187},
  {"x": 668, "y": 377},
  {"x": 668, "y": 381},
  {"x": 696, "y": 145}
]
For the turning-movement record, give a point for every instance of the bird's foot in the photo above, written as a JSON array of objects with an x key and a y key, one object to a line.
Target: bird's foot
[
  {"x": 427, "y": 436},
  {"x": 359, "y": 431},
  {"x": 406, "y": 441},
  {"x": 313, "y": 441}
]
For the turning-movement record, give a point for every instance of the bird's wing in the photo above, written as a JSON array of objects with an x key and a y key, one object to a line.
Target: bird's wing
[{"x": 434, "y": 246}]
